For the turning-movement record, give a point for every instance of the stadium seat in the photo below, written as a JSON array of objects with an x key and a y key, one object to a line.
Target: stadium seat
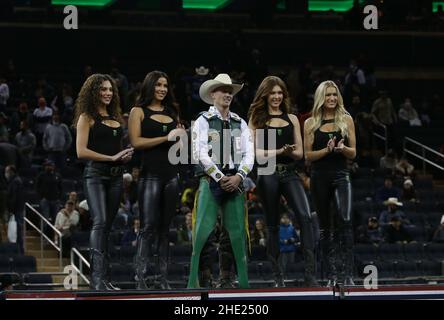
[
  {"x": 8, "y": 249},
  {"x": 365, "y": 253},
  {"x": 5, "y": 263},
  {"x": 391, "y": 252},
  {"x": 414, "y": 251},
  {"x": 435, "y": 251},
  {"x": 181, "y": 253},
  {"x": 258, "y": 253},
  {"x": 37, "y": 281},
  {"x": 24, "y": 264}
]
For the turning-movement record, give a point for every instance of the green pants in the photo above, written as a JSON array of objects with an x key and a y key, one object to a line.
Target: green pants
[{"x": 233, "y": 219}]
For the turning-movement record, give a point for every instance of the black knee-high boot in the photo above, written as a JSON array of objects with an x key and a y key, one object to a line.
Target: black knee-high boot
[
  {"x": 310, "y": 268},
  {"x": 273, "y": 255},
  {"x": 328, "y": 259},
  {"x": 143, "y": 256},
  {"x": 161, "y": 263},
  {"x": 97, "y": 261}
]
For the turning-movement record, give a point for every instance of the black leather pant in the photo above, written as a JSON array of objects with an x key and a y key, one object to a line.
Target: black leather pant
[
  {"x": 103, "y": 192},
  {"x": 158, "y": 198},
  {"x": 103, "y": 185},
  {"x": 270, "y": 188},
  {"x": 332, "y": 199}
]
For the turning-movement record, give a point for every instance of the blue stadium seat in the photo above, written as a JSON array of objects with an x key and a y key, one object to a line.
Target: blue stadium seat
[
  {"x": 365, "y": 253},
  {"x": 295, "y": 270},
  {"x": 176, "y": 272},
  {"x": 391, "y": 252},
  {"x": 407, "y": 269},
  {"x": 80, "y": 239},
  {"x": 181, "y": 252},
  {"x": 258, "y": 253},
  {"x": 37, "y": 281},
  {"x": 414, "y": 251},
  {"x": 8, "y": 249},
  {"x": 24, "y": 264},
  {"x": 127, "y": 254},
  {"x": 435, "y": 251},
  {"x": 431, "y": 268},
  {"x": 5, "y": 263}
]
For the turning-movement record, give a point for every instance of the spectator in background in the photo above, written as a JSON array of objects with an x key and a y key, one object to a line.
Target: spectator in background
[
  {"x": 49, "y": 187},
  {"x": 384, "y": 113},
  {"x": 10, "y": 155},
  {"x": 393, "y": 210},
  {"x": 404, "y": 168},
  {"x": 66, "y": 221},
  {"x": 22, "y": 114},
  {"x": 354, "y": 83},
  {"x": 4, "y": 133},
  {"x": 259, "y": 234},
  {"x": 185, "y": 232},
  {"x": 72, "y": 196},
  {"x": 395, "y": 232},
  {"x": 356, "y": 106},
  {"x": 408, "y": 191},
  {"x": 387, "y": 191},
  {"x": 438, "y": 234},
  {"x": 129, "y": 238},
  {"x": 56, "y": 141},
  {"x": 85, "y": 222},
  {"x": 4, "y": 93},
  {"x": 44, "y": 89},
  {"x": 16, "y": 202},
  {"x": 388, "y": 162},
  {"x": 369, "y": 233},
  {"x": 122, "y": 85},
  {"x": 26, "y": 143},
  {"x": 195, "y": 104},
  {"x": 288, "y": 240},
  {"x": 408, "y": 114},
  {"x": 42, "y": 116}
]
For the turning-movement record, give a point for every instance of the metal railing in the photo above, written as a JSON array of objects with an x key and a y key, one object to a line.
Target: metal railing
[
  {"x": 82, "y": 261},
  {"x": 422, "y": 156},
  {"x": 41, "y": 231},
  {"x": 384, "y": 137}
]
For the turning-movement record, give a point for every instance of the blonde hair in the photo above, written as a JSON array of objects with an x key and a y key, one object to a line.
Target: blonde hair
[{"x": 317, "y": 111}]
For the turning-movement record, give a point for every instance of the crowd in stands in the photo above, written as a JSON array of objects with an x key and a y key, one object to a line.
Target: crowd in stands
[{"x": 36, "y": 139}]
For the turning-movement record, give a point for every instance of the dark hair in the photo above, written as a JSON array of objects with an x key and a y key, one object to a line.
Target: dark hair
[
  {"x": 258, "y": 113},
  {"x": 146, "y": 93},
  {"x": 88, "y": 99}
]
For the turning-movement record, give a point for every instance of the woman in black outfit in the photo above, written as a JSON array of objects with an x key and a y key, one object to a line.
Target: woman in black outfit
[
  {"x": 99, "y": 140},
  {"x": 270, "y": 111},
  {"x": 152, "y": 121},
  {"x": 329, "y": 140}
]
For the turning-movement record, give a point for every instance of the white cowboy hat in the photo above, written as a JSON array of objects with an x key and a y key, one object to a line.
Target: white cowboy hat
[
  {"x": 202, "y": 71},
  {"x": 221, "y": 80},
  {"x": 393, "y": 201}
]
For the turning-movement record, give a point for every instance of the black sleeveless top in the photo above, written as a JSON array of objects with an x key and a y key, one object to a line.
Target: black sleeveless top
[
  {"x": 155, "y": 160},
  {"x": 284, "y": 135},
  {"x": 333, "y": 161},
  {"x": 105, "y": 139}
]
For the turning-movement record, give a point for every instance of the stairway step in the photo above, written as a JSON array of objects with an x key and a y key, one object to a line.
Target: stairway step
[
  {"x": 51, "y": 262},
  {"x": 48, "y": 269},
  {"x": 46, "y": 253}
]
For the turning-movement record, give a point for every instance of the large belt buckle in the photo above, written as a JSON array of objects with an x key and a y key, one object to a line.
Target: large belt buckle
[
  {"x": 280, "y": 168},
  {"x": 115, "y": 171}
]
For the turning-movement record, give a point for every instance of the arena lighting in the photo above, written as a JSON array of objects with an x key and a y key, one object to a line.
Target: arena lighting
[
  {"x": 205, "y": 4},
  {"x": 88, "y": 3},
  {"x": 327, "y": 5},
  {"x": 436, "y": 4}
]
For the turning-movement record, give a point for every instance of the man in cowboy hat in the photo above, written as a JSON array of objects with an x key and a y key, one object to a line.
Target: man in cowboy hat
[
  {"x": 393, "y": 210},
  {"x": 223, "y": 146}
]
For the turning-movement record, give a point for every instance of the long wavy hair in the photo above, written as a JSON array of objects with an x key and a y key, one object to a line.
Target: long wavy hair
[
  {"x": 318, "y": 110},
  {"x": 88, "y": 100},
  {"x": 146, "y": 94},
  {"x": 258, "y": 112}
]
